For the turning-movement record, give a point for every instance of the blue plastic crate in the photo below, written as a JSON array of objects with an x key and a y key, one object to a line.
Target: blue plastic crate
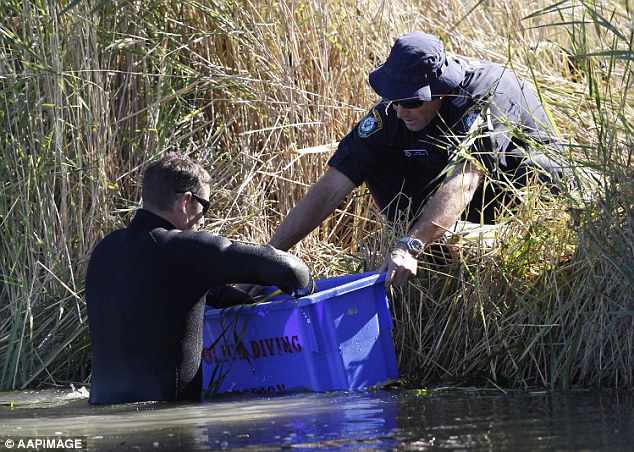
[{"x": 339, "y": 338}]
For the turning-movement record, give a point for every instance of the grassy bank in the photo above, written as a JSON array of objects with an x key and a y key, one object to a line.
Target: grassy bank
[{"x": 90, "y": 93}]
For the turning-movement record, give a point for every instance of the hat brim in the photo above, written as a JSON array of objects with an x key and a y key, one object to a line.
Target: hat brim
[{"x": 393, "y": 89}]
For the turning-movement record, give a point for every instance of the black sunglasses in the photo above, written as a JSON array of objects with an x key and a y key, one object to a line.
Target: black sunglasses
[
  {"x": 203, "y": 202},
  {"x": 408, "y": 104}
]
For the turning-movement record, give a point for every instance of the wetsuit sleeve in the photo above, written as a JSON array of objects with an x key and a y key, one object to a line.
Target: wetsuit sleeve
[{"x": 210, "y": 260}]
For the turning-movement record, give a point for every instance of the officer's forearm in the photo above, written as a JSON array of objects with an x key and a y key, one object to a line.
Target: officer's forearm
[
  {"x": 446, "y": 206},
  {"x": 319, "y": 203},
  {"x": 299, "y": 222}
]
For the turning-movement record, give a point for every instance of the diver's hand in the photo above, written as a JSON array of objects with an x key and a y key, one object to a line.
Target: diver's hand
[
  {"x": 299, "y": 292},
  {"x": 400, "y": 266},
  {"x": 252, "y": 289}
]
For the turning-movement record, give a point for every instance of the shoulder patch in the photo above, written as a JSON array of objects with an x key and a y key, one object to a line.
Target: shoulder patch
[
  {"x": 370, "y": 124},
  {"x": 461, "y": 98},
  {"x": 470, "y": 117}
]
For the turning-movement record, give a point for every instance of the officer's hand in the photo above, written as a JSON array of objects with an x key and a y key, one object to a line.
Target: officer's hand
[
  {"x": 252, "y": 289},
  {"x": 400, "y": 266}
]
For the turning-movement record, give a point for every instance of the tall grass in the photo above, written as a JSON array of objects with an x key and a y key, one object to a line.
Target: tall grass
[
  {"x": 258, "y": 91},
  {"x": 551, "y": 304}
]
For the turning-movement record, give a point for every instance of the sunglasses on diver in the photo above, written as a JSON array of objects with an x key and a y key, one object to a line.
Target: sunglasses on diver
[
  {"x": 203, "y": 202},
  {"x": 408, "y": 104}
]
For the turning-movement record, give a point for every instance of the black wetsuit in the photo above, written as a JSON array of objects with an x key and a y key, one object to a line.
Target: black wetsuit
[
  {"x": 145, "y": 291},
  {"x": 491, "y": 116}
]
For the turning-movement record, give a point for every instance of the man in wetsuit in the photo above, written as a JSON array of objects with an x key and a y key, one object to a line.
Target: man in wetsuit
[
  {"x": 446, "y": 141},
  {"x": 147, "y": 284}
]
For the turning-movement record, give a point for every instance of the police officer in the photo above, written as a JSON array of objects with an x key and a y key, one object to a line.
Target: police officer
[
  {"x": 147, "y": 285},
  {"x": 424, "y": 150}
]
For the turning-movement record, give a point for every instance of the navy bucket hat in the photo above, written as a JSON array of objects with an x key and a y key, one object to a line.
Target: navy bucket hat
[{"x": 417, "y": 67}]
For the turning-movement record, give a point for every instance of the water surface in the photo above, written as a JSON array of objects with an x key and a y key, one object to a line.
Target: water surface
[{"x": 381, "y": 420}]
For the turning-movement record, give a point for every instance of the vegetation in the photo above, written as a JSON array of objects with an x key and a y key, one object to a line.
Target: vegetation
[{"x": 92, "y": 91}]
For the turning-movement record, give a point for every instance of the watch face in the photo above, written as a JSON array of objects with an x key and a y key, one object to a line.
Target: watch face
[{"x": 415, "y": 245}]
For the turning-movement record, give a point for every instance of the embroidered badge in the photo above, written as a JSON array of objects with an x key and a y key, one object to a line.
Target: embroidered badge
[
  {"x": 370, "y": 124},
  {"x": 470, "y": 117}
]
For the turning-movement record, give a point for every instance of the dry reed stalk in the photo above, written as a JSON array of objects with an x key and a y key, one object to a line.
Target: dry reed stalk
[{"x": 91, "y": 96}]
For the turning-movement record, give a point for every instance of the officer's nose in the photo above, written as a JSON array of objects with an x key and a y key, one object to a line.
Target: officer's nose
[{"x": 400, "y": 112}]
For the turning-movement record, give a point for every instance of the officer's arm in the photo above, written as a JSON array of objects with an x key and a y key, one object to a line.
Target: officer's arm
[
  {"x": 439, "y": 214},
  {"x": 446, "y": 206},
  {"x": 321, "y": 201}
]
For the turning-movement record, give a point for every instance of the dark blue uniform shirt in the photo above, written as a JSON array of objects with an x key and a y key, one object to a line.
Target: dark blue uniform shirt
[{"x": 491, "y": 117}]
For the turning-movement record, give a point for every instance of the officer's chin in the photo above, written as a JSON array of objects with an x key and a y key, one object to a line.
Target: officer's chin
[{"x": 414, "y": 126}]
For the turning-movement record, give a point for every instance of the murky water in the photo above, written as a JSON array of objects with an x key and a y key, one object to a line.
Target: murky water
[{"x": 383, "y": 420}]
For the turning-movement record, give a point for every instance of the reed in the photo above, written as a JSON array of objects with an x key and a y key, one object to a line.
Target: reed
[{"x": 258, "y": 91}]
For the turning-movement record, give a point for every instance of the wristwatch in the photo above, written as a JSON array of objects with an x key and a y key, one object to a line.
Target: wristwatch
[{"x": 414, "y": 246}]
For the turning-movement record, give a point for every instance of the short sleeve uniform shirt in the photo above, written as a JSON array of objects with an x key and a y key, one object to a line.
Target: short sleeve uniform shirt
[{"x": 491, "y": 117}]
